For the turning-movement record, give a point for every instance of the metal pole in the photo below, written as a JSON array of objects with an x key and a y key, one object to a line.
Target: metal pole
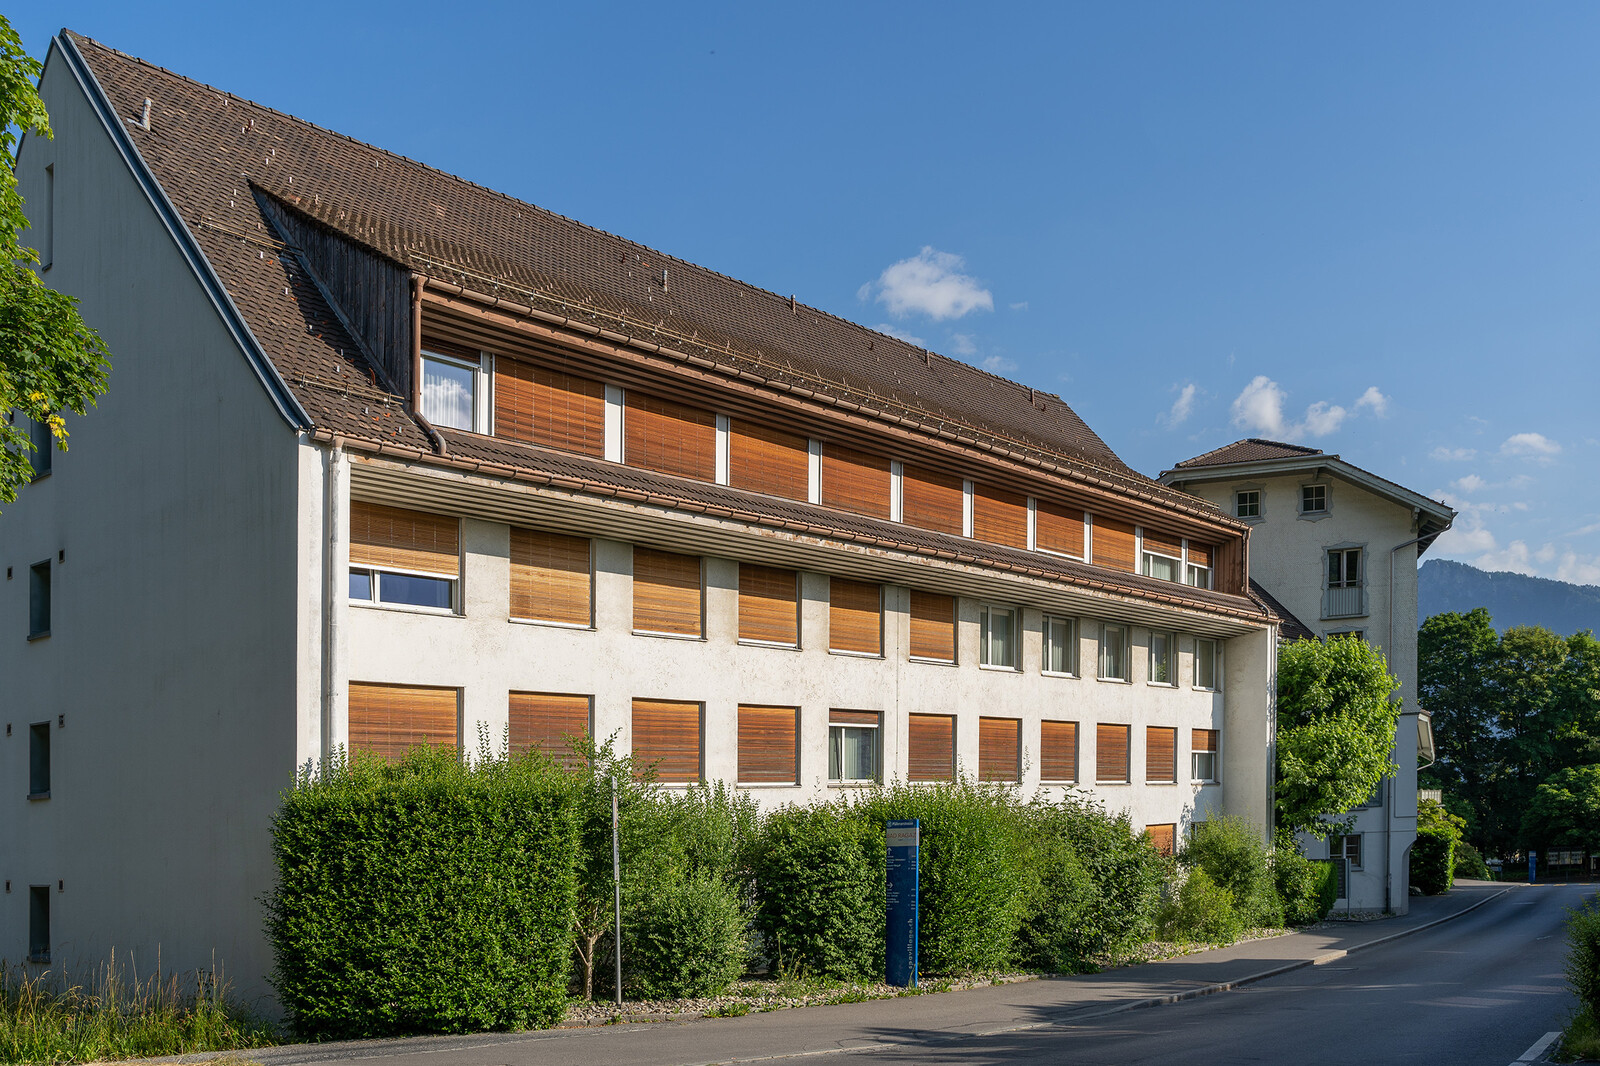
[{"x": 616, "y": 887}]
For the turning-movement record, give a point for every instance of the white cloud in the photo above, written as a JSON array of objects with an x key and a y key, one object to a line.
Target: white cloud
[
  {"x": 900, "y": 334},
  {"x": 1515, "y": 558},
  {"x": 998, "y": 364},
  {"x": 1579, "y": 569},
  {"x": 1374, "y": 399},
  {"x": 1536, "y": 445},
  {"x": 1182, "y": 407},
  {"x": 1470, "y": 483},
  {"x": 1593, "y": 527},
  {"x": 1462, "y": 540},
  {"x": 962, "y": 344},
  {"x": 1020, "y": 305},
  {"x": 1260, "y": 407},
  {"x": 929, "y": 283},
  {"x": 1453, "y": 455},
  {"x": 1322, "y": 419}
]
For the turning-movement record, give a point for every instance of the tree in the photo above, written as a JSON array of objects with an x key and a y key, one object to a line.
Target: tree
[
  {"x": 1565, "y": 810},
  {"x": 50, "y": 361},
  {"x": 1336, "y": 729}
]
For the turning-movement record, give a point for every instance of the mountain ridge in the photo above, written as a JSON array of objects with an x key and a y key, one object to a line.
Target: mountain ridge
[{"x": 1444, "y": 585}]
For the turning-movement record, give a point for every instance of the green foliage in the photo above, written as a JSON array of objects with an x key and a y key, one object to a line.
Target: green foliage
[
  {"x": 1306, "y": 889},
  {"x": 1565, "y": 810},
  {"x": 431, "y": 895},
  {"x": 1583, "y": 956},
  {"x": 1062, "y": 910},
  {"x": 1433, "y": 856},
  {"x": 1336, "y": 728},
  {"x": 1470, "y": 864},
  {"x": 1201, "y": 910},
  {"x": 50, "y": 361},
  {"x": 1231, "y": 853}
]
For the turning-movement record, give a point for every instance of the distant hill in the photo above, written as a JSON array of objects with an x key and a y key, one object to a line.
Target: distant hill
[{"x": 1512, "y": 599}]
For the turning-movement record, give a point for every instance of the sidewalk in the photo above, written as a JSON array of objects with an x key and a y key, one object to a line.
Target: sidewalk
[{"x": 879, "y": 1023}]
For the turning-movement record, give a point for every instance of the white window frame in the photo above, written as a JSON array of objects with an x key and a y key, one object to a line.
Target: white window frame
[
  {"x": 984, "y": 660},
  {"x": 1172, "y": 659},
  {"x": 1216, "y": 666},
  {"x": 877, "y": 754},
  {"x": 482, "y": 378},
  {"x": 1071, "y": 646},
  {"x": 1147, "y": 557},
  {"x": 375, "y": 575},
  {"x": 1100, "y": 654},
  {"x": 1327, "y": 501},
  {"x": 1261, "y": 501},
  {"x": 1215, "y": 755},
  {"x": 1191, "y": 573}
]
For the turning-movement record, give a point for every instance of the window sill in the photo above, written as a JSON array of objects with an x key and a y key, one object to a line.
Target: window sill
[
  {"x": 35, "y": 797},
  {"x": 1101, "y": 784},
  {"x": 1313, "y": 516},
  {"x": 1160, "y": 684},
  {"x": 35, "y": 479},
  {"x": 1163, "y": 784},
  {"x": 39, "y": 958},
  {"x": 1207, "y": 781},
  {"x": 998, "y": 668},
  {"x": 549, "y": 624},
  {"x": 1058, "y": 673},
  {"x": 45, "y": 635},
  {"x": 1058, "y": 784},
  {"x": 1114, "y": 680},
  {"x": 401, "y": 608},
  {"x": 1203, "y": 688},
  {"x": 856, "y": 654},
  {"x": 766, "y": 784},
  {"x": 746, "y": 643},
  {"x": 930, "y": 662},
  {"x": 864, "y": 783},
  {"x": 669, "y": 636}
]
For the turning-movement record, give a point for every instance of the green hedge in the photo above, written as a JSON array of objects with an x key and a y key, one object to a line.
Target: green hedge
[
  {"x": 1306, "y": 889},
  {"x": 1235, "y": 859},
  {"x": 1433, "y": 856},
  {"x": 1583, "y": 956},
  {"x": 427, "y": 896}
]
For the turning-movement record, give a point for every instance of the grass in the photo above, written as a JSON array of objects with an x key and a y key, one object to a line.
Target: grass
[
  {"x": 117, "y": 1016},
  {"x": 1581, "y": 1041}
]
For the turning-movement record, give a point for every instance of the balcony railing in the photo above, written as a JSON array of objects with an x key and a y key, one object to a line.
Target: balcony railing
[{"x": 1348, "y": 601}]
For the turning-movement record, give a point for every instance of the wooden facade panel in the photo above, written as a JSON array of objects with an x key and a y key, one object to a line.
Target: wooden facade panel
[
  {"x": 931, "y": 500},
  {"x": 551, "y": 577},
  {"x": 551, "y": 408},
  {"x": 1058, "y": 751},
  {"x": 1228, "y": 572},
  {"x": 764, "y": 459},
  {"x": 931, "y": 748},
  {"x": 999, "y": 517},
  {"x": 768, "y": 745},
  {"x": 855, "y": 481},
  {"x": 855, "y": 616},
  {"x": 547, "y": 722},
  {"x": 667, "y": 593},
  {"x": 389, "y": 719},
  {"x": 1058, "y": 528},
  {"x": 1164, "y": 838},
  {"x": 669, "y": 438},
  {"x": 769, "y": 604},
  {"x": 399, "y": 539},
  {"x": 933, "y": 626},
  {"x": 667, "y": 735},
  {"x": 1160, "y": 754},
  {"x": 1113, "y": 545},
  {"x": 1000, "y": 749},
  {"x": 1111, "y": 753}
]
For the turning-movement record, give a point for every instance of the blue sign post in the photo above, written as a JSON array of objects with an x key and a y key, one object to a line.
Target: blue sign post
[
  {"x": 1533, "y": 865},
  {"x": 904, "y": 840}
]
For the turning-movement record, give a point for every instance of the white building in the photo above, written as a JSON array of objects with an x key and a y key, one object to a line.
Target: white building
[
  {"x": 388, "y": 457},
  {"x": 1338, "y": 546}
]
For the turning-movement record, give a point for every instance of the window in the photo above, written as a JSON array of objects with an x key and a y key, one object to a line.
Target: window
[
  {"x": 1111, "y": 754},
  {"x": 1348, "y": 847},
  {"x": 931, "y": 500},
  {"x": 451, "y": 389},
  {"x": 1313, "y": 499},
  {"x": 853, "y": 747},
  {"x": 548, "y": 407},
  {"x": 39, "y": 760},
  {"x": 1205, "y": 663},
  {"x": 39, "y": 600},
  {"x": 769, "y": 605},
  {"x": 403, "y": 558},
  {"x": 1113, "y": 544},
  {"x": 1000, "y": 749},
  {"x": 667, "y": 593},
  {"x": 999, "y": 517},
  {"x": 1113, "y": 653},
  {"x": 667, "y": 736},
  {"x": 855, "y": 617},
  {"x": 1162, "y": 556},
  {"x": 1247, "y": 503},
  {"x": 933, "y": 626},
  {"x": 1163, "y": 653},
  {"x": 1203, "y": 755},
  {"x": 1058, "y": 529},
  {"x": 1376, "y": 799},
  {"x": 551, "y": 578},
  {"x": 1163, "y": 838},
  {"x": 1060, "y": 645},
  {"x": 1160, "y": 755},
  {"x": 1345, "y": 594},
  {"x": 45, "y": 225},
  {"x": 39, "y": 923},
  {"x": 855, "y": 481},
  {"x": 1198, "y": 571},
  {"x": 769, "y": 752},
  {"x": 44, "y": 447},
  {"x": 669, "y": 438},
  {"x": 997, "y": 637},
  {"x": 1058, "y": 751},
  {"x": 1344, "y": 568},
  {"x": 388, "y": 720},
  {"x": 762, "y": 458},
  {"x": 932, "y": 748},
  {"x": 548, "y": 722}
]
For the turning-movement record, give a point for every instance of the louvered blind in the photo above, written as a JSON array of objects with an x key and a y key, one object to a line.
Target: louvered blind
[
  {"x": 1058, "y": 751},
  {"x": 1229, "y": 568},
  {"x": 1111, "y": 753},
  {"x": 931, "y": 500},
  {"x": 838, "y": 717},
  {"x": 855, "y": 481},
  {"x": 764, "y": 459},
  {"x": 1163, "y": 838},
  {"x": 999, "y": 749},
  {"x": 1204, "y": 740},
  {"x": 550, "y": 577},
  {"x": 999, "y": 517},
  {"x": 1162, "y": 543},
  {"x": 1160, "y": 754},
  {"x": 389, "y": 719},
  {"x": 398, "y": 539},
  {"x": 670, "y": 438},
  {"x": 544, "y": 721},
  {"x": 933, "y": 626},
  {"x": 769, "y": 604},
  {"x": 1199, "y": 554},
  {"x": 932, "y": 744},
  {"x": 855, "y": 616},
  {"x": 666, "y": 733},
  {"x": 768, "y": 754},
  {"x": 1113, "y": 545},
  {"x": 1058, "y": 528},
  {"x": 666, "y": 592},
  {"x": 536, "y": 405}
]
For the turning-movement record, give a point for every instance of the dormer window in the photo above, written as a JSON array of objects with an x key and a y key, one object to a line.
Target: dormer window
[{"x": 454, "y": 391}]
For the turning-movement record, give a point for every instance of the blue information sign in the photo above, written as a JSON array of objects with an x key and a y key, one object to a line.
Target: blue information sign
[
  {"x": 904, "y": 840},
  {"x": 1533, "y": 865}
]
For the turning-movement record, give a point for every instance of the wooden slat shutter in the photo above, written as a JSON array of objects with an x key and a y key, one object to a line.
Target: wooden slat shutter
[
  {"x": 933, "y": 626},
  {"x": 1160, "y": 754},
  {"x": 542, "y": 721},
  {"x": 550, "y": 577},
  {"x": 768, "y": 752},
  {"x": 855, "y": 616},
  {"x": 838, "y": 717},
  {"x": 666, "y": 592},
  {"x": 932, "y": 743},
  {"x": 769, "y": 604},
  {"x": 1199, "y": 554},
  {"x": 670, "y": 438},
  {"x": 1113, "y": 545},
  {"x": 999, "y": 517},
  {"x": 1000, "y": 749},
  {"x": 855, "y": 481},
  {"x": 535, "y": 405},
  {"x": 1204, "y": 740},
  {"x": 764, "y": 459},
  {"x": 1058, "y": 751},
  {"x": 931, "y": 500},
  {"x": 1229, "y": 571},
  {"x": 389, "y": 719},
  {"x": 1057, "y": 528},
  {"x": 1111, "y": 753},
  {"x": 394, "y": 538},
  {"x": 1162, "y": 543},
  {"x": 1163, "y": 838},
  {"x": 666, "y": 733}
]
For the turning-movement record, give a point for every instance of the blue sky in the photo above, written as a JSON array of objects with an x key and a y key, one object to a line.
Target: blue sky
[{"x": 1372, "y": 228}]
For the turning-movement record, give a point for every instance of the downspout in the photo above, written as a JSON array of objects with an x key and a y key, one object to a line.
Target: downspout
[{"x": 332, "y": 558}]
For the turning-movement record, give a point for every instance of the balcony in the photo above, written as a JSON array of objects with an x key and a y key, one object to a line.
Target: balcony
[{"x": 1344, "y": 601}]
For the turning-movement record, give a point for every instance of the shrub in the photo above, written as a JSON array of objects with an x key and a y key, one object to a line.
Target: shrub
[
  {"x": 1063, "y": 898},
  {"x": 1201, "y": 910},
  {"x": 430, "y": 895},
  {"x": 1583, "y": 956},
  {"x": 683, "y": 936},
  {"x": 1433, "y": 855},
  {"x": 1469, "y": 863},
  {"x": 1231, "y": 853},
  {"x": 1306, "y": 889}
]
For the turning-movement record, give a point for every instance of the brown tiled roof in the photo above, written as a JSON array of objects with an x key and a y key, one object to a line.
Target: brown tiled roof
[
  {"x": 209, "y": 150},
  {"x": 1250, "y": 450},
  {"x": 1289, "y": 627}
]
